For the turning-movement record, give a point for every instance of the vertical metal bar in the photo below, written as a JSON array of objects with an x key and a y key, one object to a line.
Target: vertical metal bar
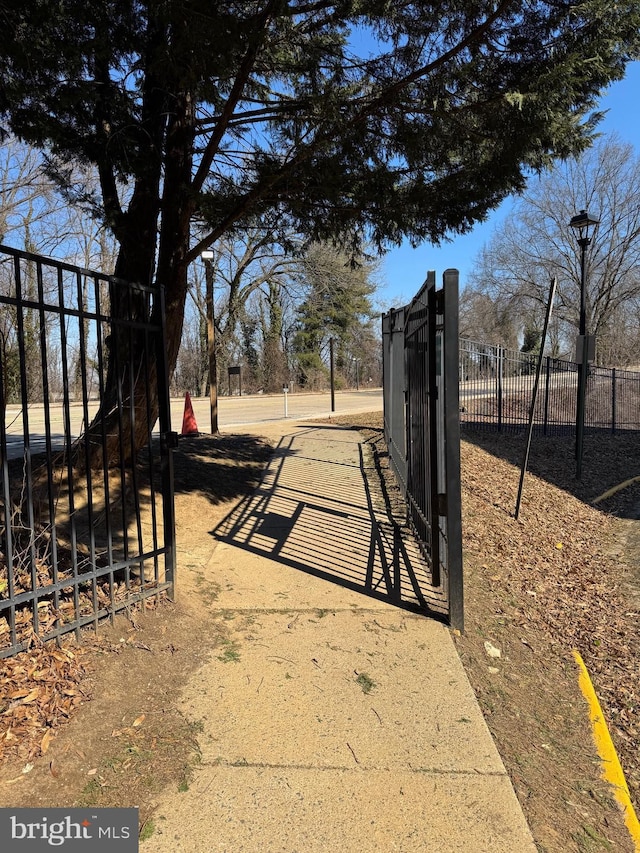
[
  {"x": 406, "y": 357},
  {"x": 452, "y": 449},
  {"x": 500, "y": 357},
  {"x": 534, "y": 394},
  {"x": 435, "y": 438},
  {"x": 68, "y": 444},
  {"x": 28, "y": 467},
  {"x": 332, "y": 376},
  {"x": 48, "y": 447},
  {"x": 164, "y": 412},
  {"x": 7, "y": 504},
  {"x": 134, "y": 379},
  {"x": 613, "y": 400},
  {"x": 82, "y": 343},
  {"x": 211, "y": 345},
  {"x": 582, "y": 376},
  {"x": 385, "y": 326},
  {"x": 546, "y": 395},
  {"x": 116, "y": 323},
  {"x": 108, "y": 526},
  {"x": 582, "y": 400},
  {"x": 148, "y": 383}
]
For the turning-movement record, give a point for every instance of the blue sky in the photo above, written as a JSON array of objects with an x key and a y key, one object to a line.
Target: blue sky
[{"x": 404, "y": 269}]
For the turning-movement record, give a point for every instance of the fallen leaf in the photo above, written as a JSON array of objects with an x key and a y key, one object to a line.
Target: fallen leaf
[
  {"x": 18, "y": 694},
  {"x": 31, "y": 696},
  {"x": 139, "y": 720},
  {"x": 46, "y": 741}
]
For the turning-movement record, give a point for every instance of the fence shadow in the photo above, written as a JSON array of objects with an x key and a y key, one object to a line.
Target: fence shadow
[
  {"x": 609, "y": 460},
  {"x": 315, "y": 512}
]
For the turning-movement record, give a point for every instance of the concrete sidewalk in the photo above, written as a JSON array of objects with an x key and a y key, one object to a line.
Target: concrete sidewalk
[{"x": 334, "y": 720}]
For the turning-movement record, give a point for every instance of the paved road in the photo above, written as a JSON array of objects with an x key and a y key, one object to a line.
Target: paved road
[
  {"x": 232, "y": 412},
  {"x": 238, "y": 411}
]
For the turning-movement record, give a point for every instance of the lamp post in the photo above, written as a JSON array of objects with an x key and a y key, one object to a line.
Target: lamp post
[
  {"x": 585, "y": 226},
  {"x": 207, "y": 257}
]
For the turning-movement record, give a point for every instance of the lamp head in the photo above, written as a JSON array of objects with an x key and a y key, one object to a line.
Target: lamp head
[{"x": 585, "y": 225}]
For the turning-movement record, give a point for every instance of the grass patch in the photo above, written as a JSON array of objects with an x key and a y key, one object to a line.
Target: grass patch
[
  {"x": 589, "y": 840},
  {"x": 147, "y": 830},
  {"x": 366, "y": 682},
  {"x": 230, "y": 653}
]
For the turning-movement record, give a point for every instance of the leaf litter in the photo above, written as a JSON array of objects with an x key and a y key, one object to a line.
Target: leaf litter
[{"x": 39, "y": 689}]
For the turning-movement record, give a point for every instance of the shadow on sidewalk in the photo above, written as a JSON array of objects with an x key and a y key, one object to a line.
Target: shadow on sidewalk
[{"x": 317, "y": 510}]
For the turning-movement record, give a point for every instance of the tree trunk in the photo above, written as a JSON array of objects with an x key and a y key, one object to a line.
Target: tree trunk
[{"x": 129, "y": 405}]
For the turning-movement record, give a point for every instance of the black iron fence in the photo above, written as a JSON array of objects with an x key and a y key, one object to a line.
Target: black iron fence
[
  {"x": 421, "y": 416},
  {"x": 496, "y": 385},
  {"x": 86, "y": 510}
]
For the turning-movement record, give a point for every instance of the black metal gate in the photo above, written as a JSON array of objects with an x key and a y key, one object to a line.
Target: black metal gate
[
  {"x": 421, "y": 405},
  {"x": 79, "y": 541}
]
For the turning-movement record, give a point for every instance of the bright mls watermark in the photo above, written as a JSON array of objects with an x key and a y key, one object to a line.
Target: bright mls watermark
[{"x": 70, "y": 830}]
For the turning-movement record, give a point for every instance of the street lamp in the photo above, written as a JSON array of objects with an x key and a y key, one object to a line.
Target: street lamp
[
  {"x": 585, "y": 225},
  {"x": 207, "y": 257}
]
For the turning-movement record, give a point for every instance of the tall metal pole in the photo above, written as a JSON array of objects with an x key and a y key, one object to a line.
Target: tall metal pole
[
  {"x": 211, "y": 343},
  {"x": 583, "y": 242},
  {"x": 582, "y": 222},
  {"x": 534, "y": 393},
  {"x": 332, "y": 376}
]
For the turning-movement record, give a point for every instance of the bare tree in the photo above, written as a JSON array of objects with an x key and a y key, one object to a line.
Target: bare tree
[
  {"x": 250, "y": 275},
  {"x": 487, "y": 318},
  {"x": 25, "y": 194},
  {"x": 536, "y": 243},
  {"x": 27, "y": 200}
]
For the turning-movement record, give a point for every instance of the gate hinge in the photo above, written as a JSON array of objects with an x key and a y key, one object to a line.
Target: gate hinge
[
  {"x": 442, "y": 503},
  {"x": 168, "y": 441}
]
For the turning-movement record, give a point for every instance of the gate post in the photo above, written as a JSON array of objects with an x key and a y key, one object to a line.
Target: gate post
[{"x": 452, "y": 449}]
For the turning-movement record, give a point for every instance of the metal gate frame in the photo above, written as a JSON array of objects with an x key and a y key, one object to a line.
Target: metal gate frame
[
  {"x": 422, "y": 427},
  {"x": 394, "y": 391},
  {"x": 77, "y": 545}
]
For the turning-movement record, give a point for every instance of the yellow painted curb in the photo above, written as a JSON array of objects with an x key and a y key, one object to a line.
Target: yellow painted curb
[
  {"x": 611, "y": 769},
  {"x": 615, "y": 489}
]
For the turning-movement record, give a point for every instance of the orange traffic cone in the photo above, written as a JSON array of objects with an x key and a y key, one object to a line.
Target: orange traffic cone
[{"x": 189, "y": 425}]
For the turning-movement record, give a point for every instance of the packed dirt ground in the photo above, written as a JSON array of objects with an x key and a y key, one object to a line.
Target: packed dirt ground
[{"x": 100, "y": 723}]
